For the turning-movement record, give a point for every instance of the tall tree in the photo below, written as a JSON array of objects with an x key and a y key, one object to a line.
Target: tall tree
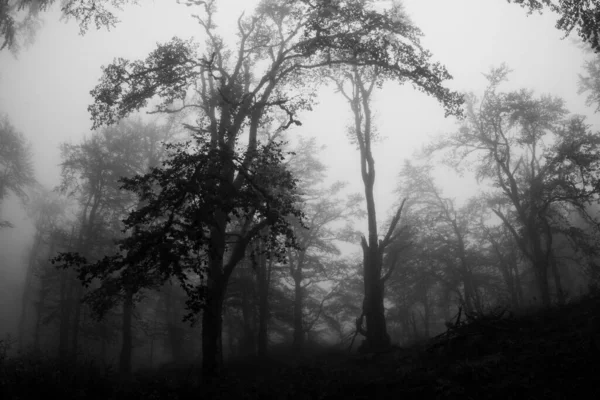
[
  {"x": 357, "y": 83},
  {"x": 16, "y": 167},
  {"x": 234, "y": 192}
]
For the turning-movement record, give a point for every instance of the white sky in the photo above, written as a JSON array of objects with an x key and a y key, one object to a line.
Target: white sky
[{"x": 45, "y": 91}]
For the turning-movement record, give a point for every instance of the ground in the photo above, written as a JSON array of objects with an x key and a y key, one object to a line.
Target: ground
[{"x": 550, "y": 354}]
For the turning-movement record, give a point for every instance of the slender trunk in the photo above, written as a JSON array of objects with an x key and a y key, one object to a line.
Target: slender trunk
[
  {"x": 76, "y": 320},
  {"x": 426, "y": 318},
  {"x": 103, "y": 344},
  {"x": 263, "y": 306},
  {"x": 127, "y": 339},
  {"x": 518, "y": 285},
  {"x": 298, "y": 325},
  {"x": 65, "y": 315},
  {"x": 248, "y": 342},
  {"x": 541, "y": 274},
  {"x": 151, "y": 361},
  {"x": 560, "y": 294},
  {"x": 413, "y": 321},
  {"x": 26, "y": 295}
]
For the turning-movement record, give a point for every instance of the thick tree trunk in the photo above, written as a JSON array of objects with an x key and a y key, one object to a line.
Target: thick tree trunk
[
  {"x": 127, "y": 339},
  {"x": 26, "y": 295},
  {"x": 174, "y": 330},
  {"x": 212, "y": 354},
  {"x": 377, "y": 337}
]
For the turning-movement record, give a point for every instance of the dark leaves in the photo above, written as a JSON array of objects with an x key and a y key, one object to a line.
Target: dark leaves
[{"x": 127, "y": 86}]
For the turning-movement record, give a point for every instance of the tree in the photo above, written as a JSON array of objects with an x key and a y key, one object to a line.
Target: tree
[
  {"x": 590, "y": 82},
  {"x": 451, "y": 225},
  {"x": 237, "y": 192},
  {"x": 541, "y": 186},
  {"x": 311, "y": 262},
  {"x": 357, "y": 83},
  {"x": 47, "y": 210},
  {"x": 581, "y": 14},
  {"x": 90, "y": 173},
  {"x": 16, "y": 167},
  {"x": 19, "y": 19},
  {"x": 16, "y": 31}
]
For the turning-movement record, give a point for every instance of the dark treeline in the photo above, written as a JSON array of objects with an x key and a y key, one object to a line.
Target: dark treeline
[{"x": 210, "y": 236}]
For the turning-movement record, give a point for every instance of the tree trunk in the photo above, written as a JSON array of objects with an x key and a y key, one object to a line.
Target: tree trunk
[
  {"x": 174, "y": 331},
  {"x": 377, "y": 337},
  {"x": 65, "y": 315},
  {"x": 560, "y": 293},
  {"x": 298, "y": 323},
  {"x": 541, "y": 269},
  {"x": 26, "y": 296},
  {"x": 518, "y": 285},
  {"x": 248, "y": 341},
  {"x": 76, "y": 302},
  {"x": 127, "y": 339},
  {"x": 263, "y": 306},
  {"x": 212, "y": 354}
]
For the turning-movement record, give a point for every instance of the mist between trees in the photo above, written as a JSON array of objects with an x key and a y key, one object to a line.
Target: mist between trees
[{"x": 208, "y": 233}]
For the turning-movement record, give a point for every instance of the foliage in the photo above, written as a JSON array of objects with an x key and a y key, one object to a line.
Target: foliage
[
  {"x": 589, "y": 82},
  {"x": 12, "y": 28},
  {"x": 581, "y": 14},
  {"x": 170, "y": 233}
]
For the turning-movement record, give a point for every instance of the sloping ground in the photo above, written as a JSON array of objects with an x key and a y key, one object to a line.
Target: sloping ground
[{"x": 553, "y": 354}]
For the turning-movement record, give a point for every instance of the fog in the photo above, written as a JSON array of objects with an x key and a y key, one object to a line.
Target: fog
[{"x": 45, "y": 91}]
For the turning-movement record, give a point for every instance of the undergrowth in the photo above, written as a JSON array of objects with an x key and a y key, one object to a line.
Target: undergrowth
[{"x": 549, "y": 354}]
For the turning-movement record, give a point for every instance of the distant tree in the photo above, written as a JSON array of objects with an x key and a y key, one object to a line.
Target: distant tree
[
  {"x": 451, "y": 225},
  {"x": 16, "y": 166},
  {"x": 312, "y": 263},
  {"x": 90, "y": 174},
  {"x": 543, "y": 165},
  {"x": 505, "y": 256},
  {"x": 589, "y": 82},
  {"x": 47, "y": 211}
]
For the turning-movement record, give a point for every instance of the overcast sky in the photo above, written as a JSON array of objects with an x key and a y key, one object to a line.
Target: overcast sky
[{"x": 45, "y": 91}]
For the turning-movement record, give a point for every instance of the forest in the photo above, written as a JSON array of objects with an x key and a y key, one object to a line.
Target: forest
[{"x": 195, "y": 245}]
